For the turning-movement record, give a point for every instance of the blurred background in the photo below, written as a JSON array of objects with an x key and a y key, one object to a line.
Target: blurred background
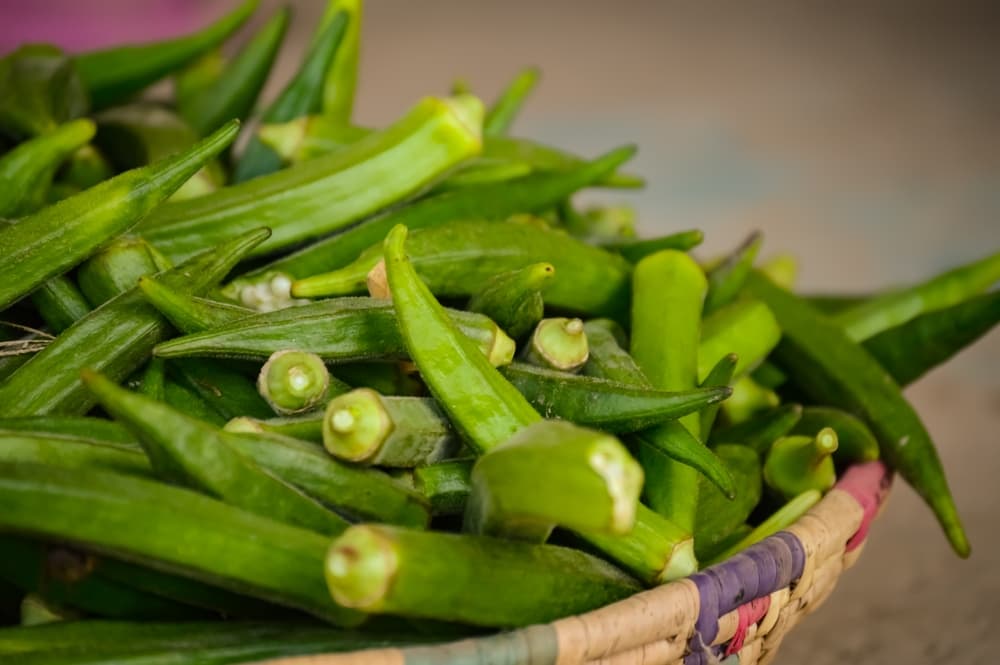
[{"x": 862, "y": 136}]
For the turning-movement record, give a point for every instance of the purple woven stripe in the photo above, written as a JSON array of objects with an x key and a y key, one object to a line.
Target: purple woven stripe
[
  {"x": 704, "y": 656},
  {"x": 758, "y": 571}
]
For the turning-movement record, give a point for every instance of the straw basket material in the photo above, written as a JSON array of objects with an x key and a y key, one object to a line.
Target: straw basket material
[{"x": 737, "y": 611}]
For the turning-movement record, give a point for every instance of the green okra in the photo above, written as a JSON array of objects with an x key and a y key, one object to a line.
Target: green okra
[
  {"x": 795, "y": 464},
  {"x": 780, "y": 519},
  {"x": 726, "y": 279},
  {"x": 769, "y": 375},
  {"x": 501, "y": 114},
  {"x": 748, "y": 399},
  {"x": 59, "y": 303},
  {"x": 896, "y": 307},
  {"x": 718, "y": 515},
  {"x": 183, "y": 533},
  {"x": 232, "y": 92},
  {"x": 559, "y": 344},
  {"x": 600, "y": 223},
  {"x": 319, "y": 197},
  {"x": 834, "y": 303},
  {"x": 746, "y": 328},
  {"x": 184, "y": 450},
  {"x": 514, "y": 299},
  {"x": 302, "y": 95},
  {"x": 604, "y": 404},
  {"x": 608, "y": 360},
  {"x": 114, "y": 74},
  {"x": 364, "y": 427},
  {"x": 226, "y": 390},
  {"x": 720, "y": 375},
  {"x": 337, "y": 330},
  {"x": 669, "y": 281},
  {"x": 452, "y": 368},
  {"x": 70, "y": 578},
  {"x": 458, "y": 260},
  {"x": 481, "y": 171},
  {"x": 553, "y": 473},
  {"x": 909, "y": 350},
  {"x": 832, "y": 370},
  {"x": 446, "y": 485},
  {"x": 342, "y": 73},
  {"x": 293, "y": 382},
  {"x": 72, "y": 451},
  {"x": 26, "y": 171},
  {"x": 49, "y": 242},
  {"x": 153, "y": 383},
  {"x": 86, "y": 168},
  {"x": 117, "y": 269},
  {"x": 188, "y": 313},
  {"x": 359, "y": 493},
  {"x": 181, "y": 397},
  {"x": 39, "y": 91},
  {"x": 855, "y": 442},
  {"x": 761, "y": 430},
  {"x": 139, "y": 134},
  {"x": 782, "y": 269},
  {"x": 635, "y": 250},
  {"x": 382, "y": 569},
  {"x": 84, "y": 427},
  {"x": 116, "y": 339},
  {"x": 197, "y": 77}
]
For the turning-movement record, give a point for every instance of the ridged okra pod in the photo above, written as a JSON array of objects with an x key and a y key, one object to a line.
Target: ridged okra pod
[
  {"x": 26, "y": 171},
  {"x": 514, "y": 299}
]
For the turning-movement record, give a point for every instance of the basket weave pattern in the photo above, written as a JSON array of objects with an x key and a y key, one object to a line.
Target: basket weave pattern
[{"x": 736, "y": 612}]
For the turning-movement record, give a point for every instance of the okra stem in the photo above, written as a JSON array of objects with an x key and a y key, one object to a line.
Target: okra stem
[
  {"x": 559, "y": 344},
  {"x": 796, "y": 464},
  {"x": 293, "y": 381}
]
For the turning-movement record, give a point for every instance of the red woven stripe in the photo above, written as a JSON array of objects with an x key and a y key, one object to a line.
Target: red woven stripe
[
  {"x": 868, "y": 483},
  {"x": 748, "y": 613}
]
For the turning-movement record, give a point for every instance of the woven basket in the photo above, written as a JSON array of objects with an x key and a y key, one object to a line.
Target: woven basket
[{"x": 737, "y": 611}]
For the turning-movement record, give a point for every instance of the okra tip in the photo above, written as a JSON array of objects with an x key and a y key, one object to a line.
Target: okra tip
[{"x": 360, "y": 567}]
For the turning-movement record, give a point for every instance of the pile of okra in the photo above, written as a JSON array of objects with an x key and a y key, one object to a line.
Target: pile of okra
[{"x": 391, "y": 379}]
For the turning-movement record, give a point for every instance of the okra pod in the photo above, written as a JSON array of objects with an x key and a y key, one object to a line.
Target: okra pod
[
  {"x": 188, "y": 313},
  {"x": 833, "y": 370},
  {"x": 718, "y": 515},
  {"x": 342, "y": 74},
  {"x": 446, "y": 485},
  {"x": 452, "y": 368},
  {"x": 553, "y": 473},
  {"x": 669, "y": 282},
  {"x": 727, "y": 279},
  {"x": 326, "y": 194},
  {"x": 39, "y": 90},
  {"x": 410, "y": 573},
  {"x": 226, "y": 390},
  {"x": 184, "y": 399},
  {"x": 501, "y": 114},
  {"x": 746, "y": 328},
  {"x": 600, "y": 223},
  {"x": 795, "y": 464},
  {"x": 559, "y": 344},
  {"x": 72, "y": 452},
  {"x": 514, "y": 299},
  {"x": 26, "y": 171},
  {"x": 302, "y": 95},
  {"x": 115, "y": 339},
  {"x": 114, "y": 74},
  {"x": 604, "y": 404},
  {"x": 458, "y": 260},
  {"x": 184, "y": 450},
  {"x": 747, "y": 400},
  {"x": 780, "y": 519},
  {"x": 293, "y": 381},
  {"x": 720, "y": 376},
  {"x": 154, "y": 380},
  {"x": 782, "y": 269},
  {"x": 337, "y": 330},
  {"x": 182, "y": 532},
  {"x": 896, "y": 307},
  {"x": 70, "y": 427},
  {"x": 86, "y": 168},
  {"x": 855, "y": 442},
  {"x": 117, "y": 269},
  {"x": 763, "y": 429},
  {"x": 59, "y": 303},
  {"x": 365, "y": 427},
  {"x": 49, "y": 242},
  {"x": 635, "y": 250},
  {"x": 233, "y": 92}
]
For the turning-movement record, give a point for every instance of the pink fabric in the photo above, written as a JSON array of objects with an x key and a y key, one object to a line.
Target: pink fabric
[
  {"x": 748, "y": 613},
  {"x": 868, "y": 483}
]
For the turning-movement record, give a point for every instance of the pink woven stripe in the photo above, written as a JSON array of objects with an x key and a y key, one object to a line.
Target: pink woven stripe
[
  {"x": 748, "y": 614},
  {"x": 868, "y": 483}
]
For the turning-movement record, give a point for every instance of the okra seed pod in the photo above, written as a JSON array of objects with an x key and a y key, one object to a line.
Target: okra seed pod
[
  {"x": 293, "y": 381},
  {"x": 559, "y": 343}
]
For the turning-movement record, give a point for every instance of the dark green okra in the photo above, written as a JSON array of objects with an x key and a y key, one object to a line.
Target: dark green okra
[
  {"x": 72, "y": 427},
  {"x": 233, "y": 92},
  {"x": 115, "y": 74},
  {"x": 367, "y": 428},
  {"x": 726, "y": 280},
  {"x": 500, "y": 116},
  {"x": 226, "y": 390},
  {"x": 72, "y": 451},
  {"x": 183, "y": 533},
  {"x": 186, "y": 451},
  {"x": 720, "y": 376},
  {"x": 446, "y": 485},
  {"x": 117, "y": 268},
  {"x": 326, "y": 194},
  {"x": 382, "y": 569},
  {"x": 115, "y": 339},
  {"x": 39, "y": 90},
  {"x": 26, "y": 171},
  {"x": 181, "y": 397},
  {"x": 533, "y": 193},
  {"x": 833, "y": 370},
  {"x": 60, "y": 303},
  {"x": 49, "y": 242},
  {"x": 514, "y": 299},
  {"x": 459, "y": 259},
  {"x": 337, "y": 330},
  {"x": 635, "y": 250},
  {"x": 342, "y": 74},
  {"x": 188, "y": 313},
  {"x": 855, "y": 442},
  {"x": 718, "y": 516},
  {"x": 302, "y": 95}
]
